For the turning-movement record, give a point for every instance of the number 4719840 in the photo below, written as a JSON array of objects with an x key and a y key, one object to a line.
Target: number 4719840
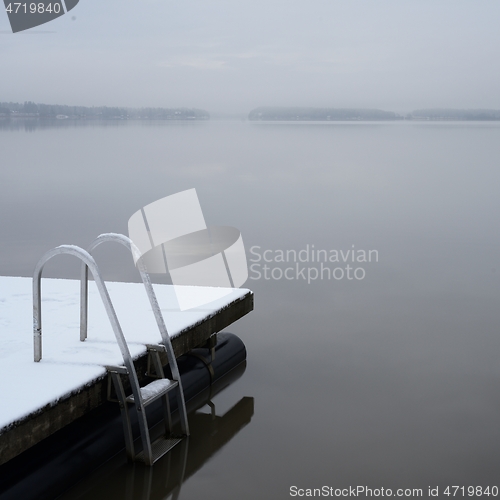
[
  {"x": 33, "y": 8},
  {"x": 471, "y": 491}
]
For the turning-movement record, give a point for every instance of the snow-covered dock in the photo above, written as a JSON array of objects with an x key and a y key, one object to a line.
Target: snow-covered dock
[{"x": 37, "y": 399}]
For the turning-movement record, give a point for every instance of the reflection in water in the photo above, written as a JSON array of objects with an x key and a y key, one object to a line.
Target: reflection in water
[
  {"x": 33, "y": 124},
  {"x": 163, "y": 480},
  {"x": 209, "y": 434}
]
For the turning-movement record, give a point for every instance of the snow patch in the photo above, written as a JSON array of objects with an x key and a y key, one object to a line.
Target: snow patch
[{"x": 67, "y": 364}]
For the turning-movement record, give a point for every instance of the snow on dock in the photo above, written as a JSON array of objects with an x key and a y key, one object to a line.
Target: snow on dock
[{"x": 72, "y": 372}]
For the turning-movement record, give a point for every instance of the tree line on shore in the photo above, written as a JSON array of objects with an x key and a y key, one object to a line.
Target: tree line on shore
[
  {"x": 354, "y": 114},
  {"x": 30, "y": 109},
  {"x": 54, "y": 111}
]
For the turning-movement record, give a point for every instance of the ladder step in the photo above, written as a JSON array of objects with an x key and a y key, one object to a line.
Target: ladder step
[
  {"x": 159, "y": 448},
  {"x": 154, "y": 390}
]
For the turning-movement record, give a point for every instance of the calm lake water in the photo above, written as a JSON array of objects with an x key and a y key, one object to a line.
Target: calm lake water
[{"x": 387, "y": 381}]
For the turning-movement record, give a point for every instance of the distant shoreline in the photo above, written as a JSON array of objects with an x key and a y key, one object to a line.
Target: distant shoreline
[
  {"x": 31, "y": 110},
  {"x": 354, "y": 114},
  {"x": 48, "y": 113},
  {"x": 93, "y": 118}
]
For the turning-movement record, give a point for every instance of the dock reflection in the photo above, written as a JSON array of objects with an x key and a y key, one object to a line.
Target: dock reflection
[{"x": 210, "y": 432}]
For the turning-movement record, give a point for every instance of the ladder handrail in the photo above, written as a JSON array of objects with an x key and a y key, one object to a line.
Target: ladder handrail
[
  {"x": 127, "y": 242},
  {"x": 172, "y": 361},
  {"x": 91, "y": 264}
]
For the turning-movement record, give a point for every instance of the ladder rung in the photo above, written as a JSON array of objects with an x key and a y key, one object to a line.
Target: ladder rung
[
  {"x": 159, "y": 448},
  {"x": 154, "y": 390}
]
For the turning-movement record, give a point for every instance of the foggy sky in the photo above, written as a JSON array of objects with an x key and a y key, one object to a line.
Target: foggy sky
[{"x": 231, "y": 56}]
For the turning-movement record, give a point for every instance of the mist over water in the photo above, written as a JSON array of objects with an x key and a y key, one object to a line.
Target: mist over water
[{"x": 390, "y": 380}]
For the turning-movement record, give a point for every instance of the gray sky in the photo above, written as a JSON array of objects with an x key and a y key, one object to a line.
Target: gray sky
[{"x": 231, "y": 56}]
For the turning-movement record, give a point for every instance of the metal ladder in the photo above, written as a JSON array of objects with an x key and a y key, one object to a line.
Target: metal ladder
[
  {"x": 158, "y": 448},
  {"x": 141, "y": 397}
]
